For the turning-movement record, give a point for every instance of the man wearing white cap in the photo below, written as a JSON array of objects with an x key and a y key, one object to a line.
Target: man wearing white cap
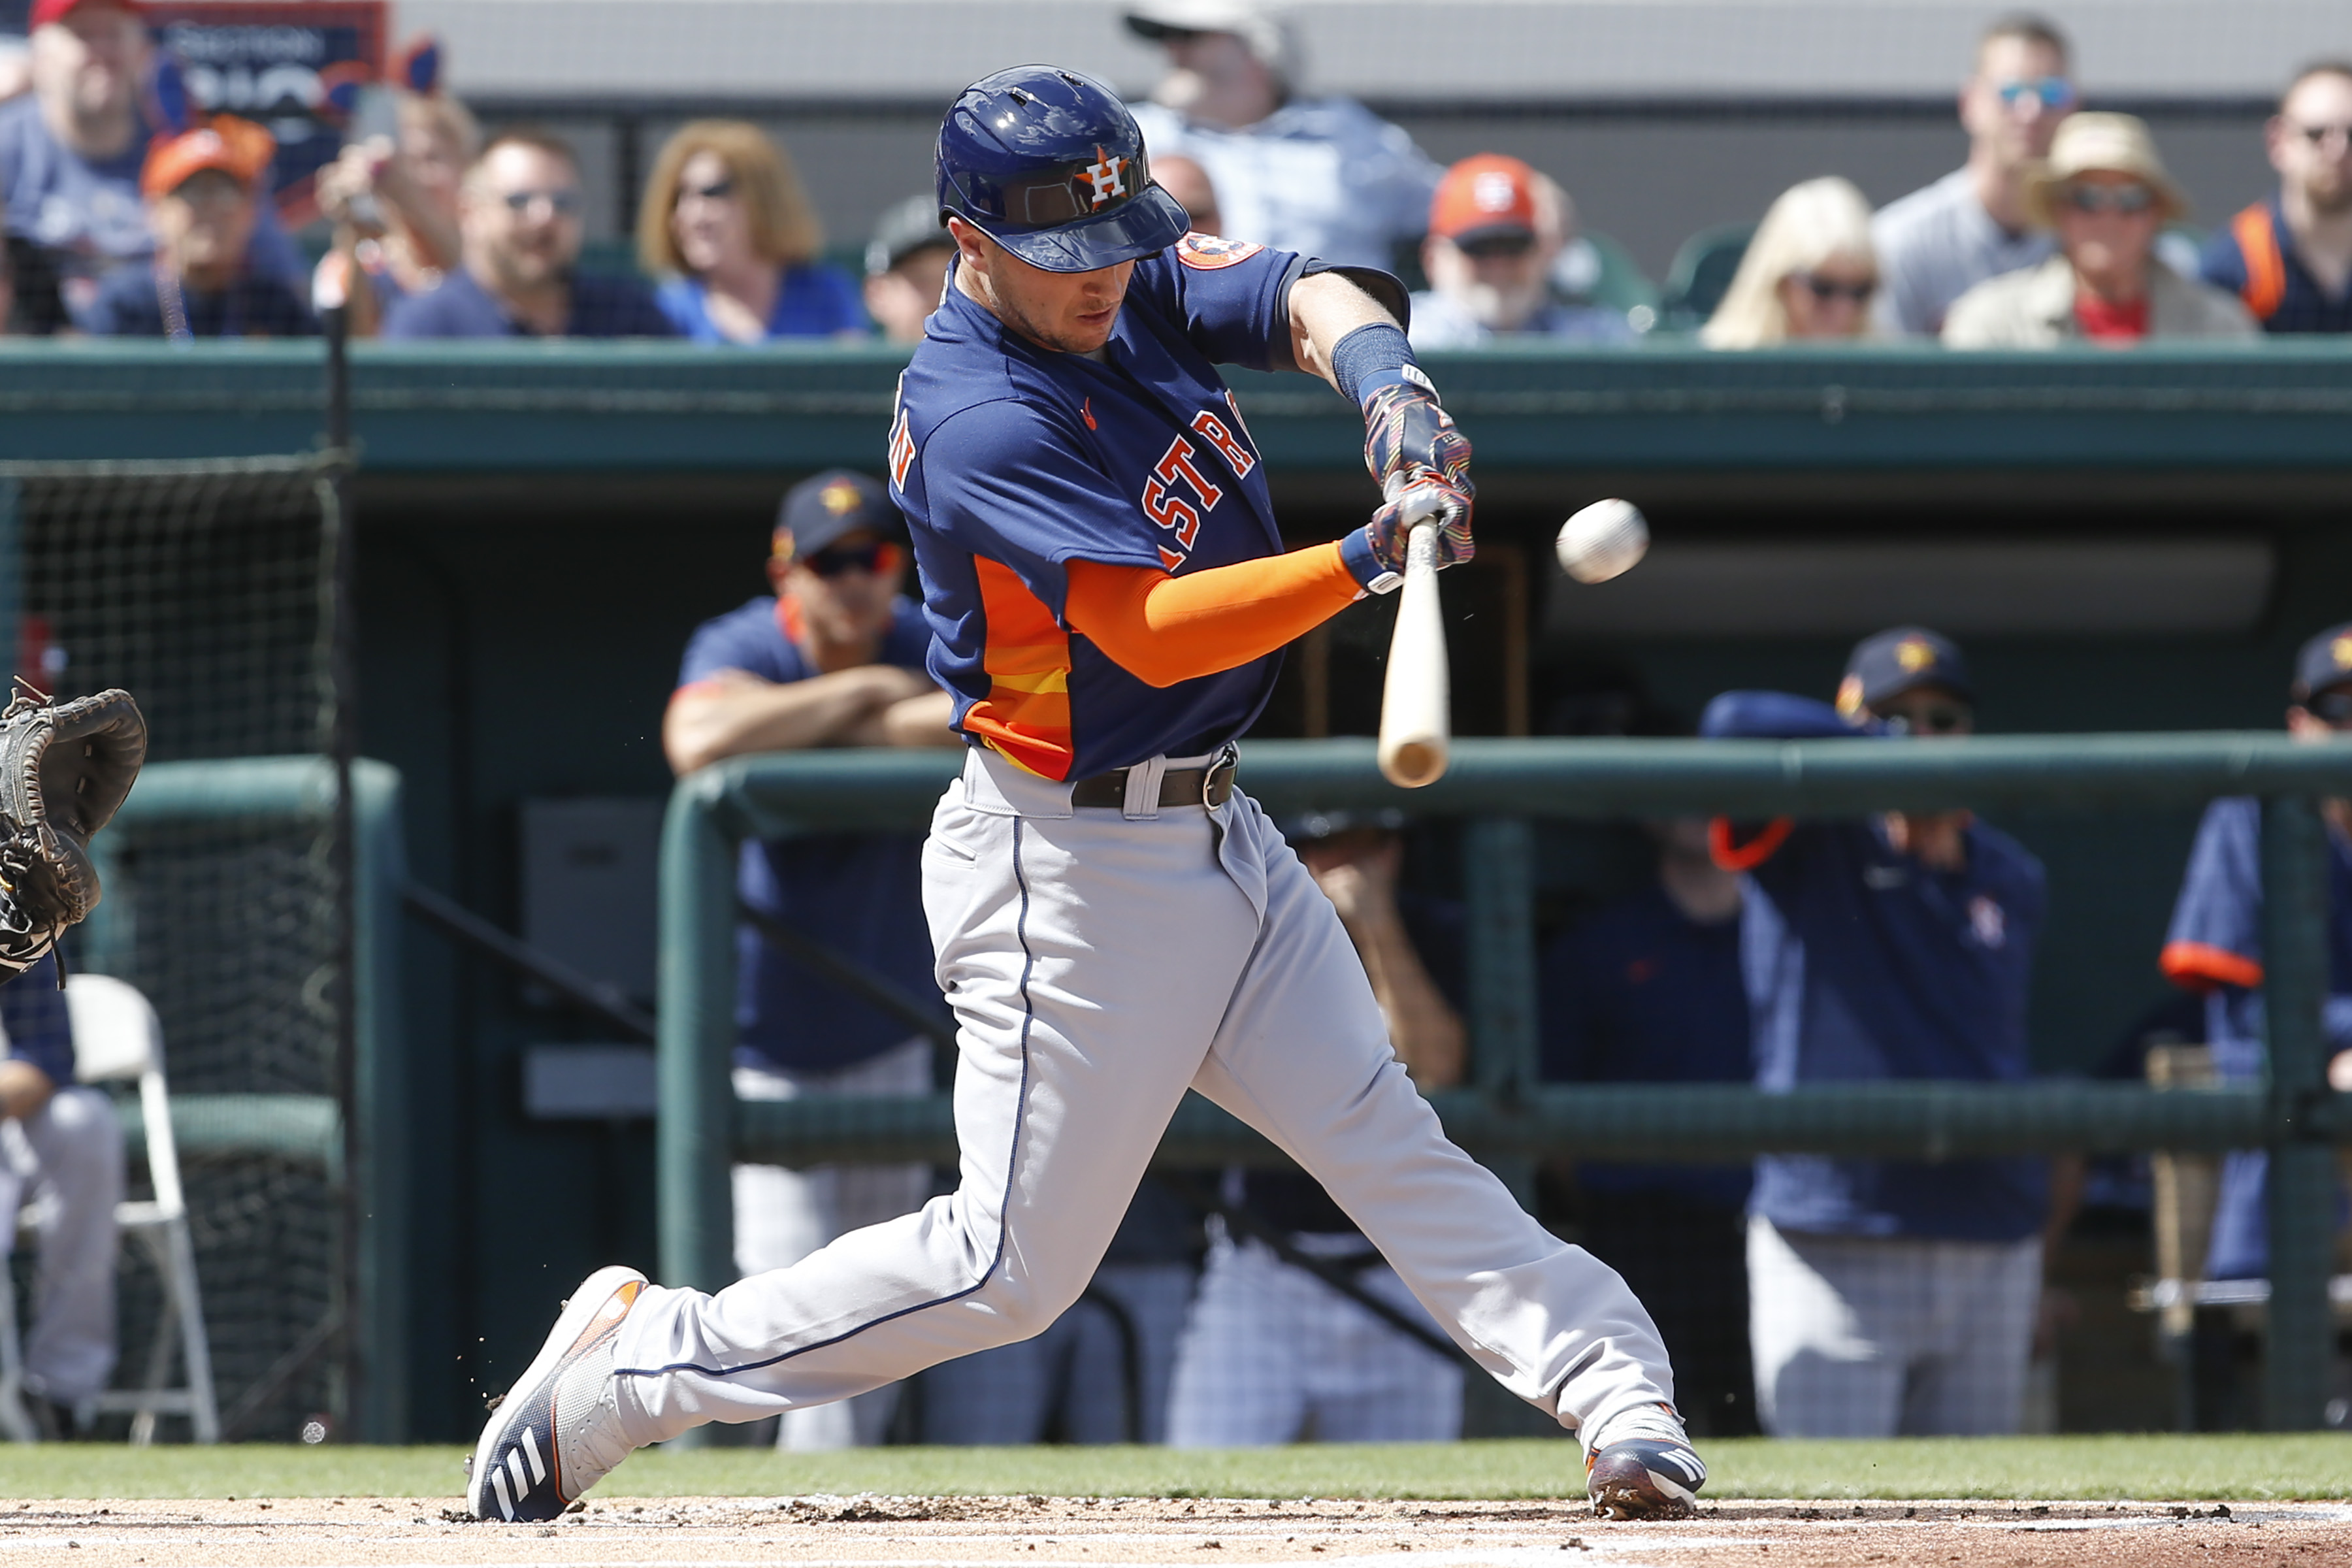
[
  {"x": 1323, "y": 176},
  {"x": 2106, "y": 194}
]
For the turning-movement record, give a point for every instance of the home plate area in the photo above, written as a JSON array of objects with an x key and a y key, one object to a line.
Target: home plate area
[{"x": 1088, "y": 1532}]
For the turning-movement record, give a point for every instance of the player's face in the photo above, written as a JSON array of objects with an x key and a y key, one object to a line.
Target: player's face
[
  {"x": 2008, "y": 105},
  {"x": 522, "y": 216},
  {"x": 2311, "y": 142},
  {"x": 1928, "y": 712},
  {"x": 1072, "y": 313},
  {"x": 845, "y": 590}
]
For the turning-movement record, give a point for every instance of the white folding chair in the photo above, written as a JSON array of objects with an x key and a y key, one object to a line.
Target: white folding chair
[{"x": 118, "y": 1039}]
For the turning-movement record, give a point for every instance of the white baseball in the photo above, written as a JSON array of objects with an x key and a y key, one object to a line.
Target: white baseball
[{"x": 1604, "y": 540}]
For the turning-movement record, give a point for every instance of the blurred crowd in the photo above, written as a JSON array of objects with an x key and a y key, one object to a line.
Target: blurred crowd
[{"x": 127, "y": 216}]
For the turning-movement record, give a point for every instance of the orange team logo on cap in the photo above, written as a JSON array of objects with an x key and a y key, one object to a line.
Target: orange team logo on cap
[
  {"x": 1106, "y": 175},
  {"x": 840, "y": 498},
  {"x": 2341, "y": 651},
  {"x": 1913, "y": 654}
]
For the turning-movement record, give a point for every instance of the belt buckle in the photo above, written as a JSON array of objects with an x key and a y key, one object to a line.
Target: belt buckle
[{"x": 1220, "y": 776}]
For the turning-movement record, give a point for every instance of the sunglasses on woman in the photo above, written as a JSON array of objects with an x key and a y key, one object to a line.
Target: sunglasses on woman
[
  {"x": 2129, "y": 200},
  {"x": 1826, "y": 290},
  {"x": 875, "y": 558},
  {"x": 715, "y": 191}
]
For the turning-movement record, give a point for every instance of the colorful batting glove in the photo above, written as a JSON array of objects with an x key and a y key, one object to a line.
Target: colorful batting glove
[{"x": 1423, "y": 463}]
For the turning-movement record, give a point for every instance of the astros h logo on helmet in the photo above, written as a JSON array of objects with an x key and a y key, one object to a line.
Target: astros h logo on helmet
[{"x": 1106, "y": 175}]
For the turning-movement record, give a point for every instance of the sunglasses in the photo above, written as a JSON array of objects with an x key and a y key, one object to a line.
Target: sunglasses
[
  {"x": 717, "y": 191},
  {"x": 2129, "y": 200},
  {"x": 1927, "y": 719},
  {"x": 2046, "y": 92},
  {"x": 2321, "y": 135},
  {"x": 1825, "y": 289},
  {"x": 2333, "y": 707},
  {"x": 877, "y": 558},
  {"x": 562, "y": 204},
  {"x": 1497, "y": 244}
]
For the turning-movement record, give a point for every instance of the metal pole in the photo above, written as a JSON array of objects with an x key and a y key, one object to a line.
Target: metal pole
[
  {"x": 1499, "y": 881},
  {"x": 355, "y": 1411},
  {"x": 695, "y": 1137},
  {"x": 2302, "y": 1168}
]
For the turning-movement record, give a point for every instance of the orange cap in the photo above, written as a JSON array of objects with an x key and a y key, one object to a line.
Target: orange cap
[
  {"x": 1487, "y": 194},
  {"x": 236, "y": 147}
]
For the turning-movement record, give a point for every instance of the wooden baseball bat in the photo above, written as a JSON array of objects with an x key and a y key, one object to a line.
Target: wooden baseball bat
[{"x": 1416, "y": 720}]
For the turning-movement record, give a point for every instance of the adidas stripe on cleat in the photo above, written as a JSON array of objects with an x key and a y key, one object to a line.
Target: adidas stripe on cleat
[{"x": 557, "y": 1431}]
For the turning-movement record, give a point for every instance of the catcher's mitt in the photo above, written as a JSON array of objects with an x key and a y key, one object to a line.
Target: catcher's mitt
[{"x": 63, "y": 771}]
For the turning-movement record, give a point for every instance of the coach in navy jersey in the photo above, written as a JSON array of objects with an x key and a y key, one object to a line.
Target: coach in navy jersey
[
  {"x": 1886, "y": 1296},
  {"x": 2215, "y": 944},
  {"x": 833, "y": 658}
]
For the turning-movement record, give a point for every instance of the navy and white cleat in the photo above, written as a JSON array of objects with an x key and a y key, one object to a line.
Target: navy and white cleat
[
  {"x": 557, "y": 1431},
  {"x": 1643, "y": 1477}
]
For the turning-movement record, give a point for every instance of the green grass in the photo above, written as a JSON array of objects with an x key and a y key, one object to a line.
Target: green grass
[{"x": 2234, "y": 1467}]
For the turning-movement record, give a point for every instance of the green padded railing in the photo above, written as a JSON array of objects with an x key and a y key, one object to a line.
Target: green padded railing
[{"x": 1499, "y": 784}]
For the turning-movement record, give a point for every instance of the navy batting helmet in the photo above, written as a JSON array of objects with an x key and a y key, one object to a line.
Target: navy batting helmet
[{"x": 1049, "y": 163}]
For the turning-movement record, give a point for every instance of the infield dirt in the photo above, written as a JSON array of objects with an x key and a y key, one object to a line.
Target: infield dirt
[{"x": 1056, "y": 1533}]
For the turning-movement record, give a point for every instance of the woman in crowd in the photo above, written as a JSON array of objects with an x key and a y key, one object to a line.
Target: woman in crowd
[
  {"x": 725, "y": 220},
  {"x": 1809, "y": 272},
  {"x": 2107, "y": 195},
  {"x": 393, "y": 203}
]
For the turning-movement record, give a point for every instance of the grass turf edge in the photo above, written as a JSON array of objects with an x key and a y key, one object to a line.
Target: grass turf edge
[{"x": 2105, "y": 1469}]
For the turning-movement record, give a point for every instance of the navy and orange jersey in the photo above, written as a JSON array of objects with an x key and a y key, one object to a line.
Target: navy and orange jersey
[
  {"x": 2254, "y": 258},
  {"x": 860, "y": 893},
  {"x": 2215, "y": 941},
  {"x": 1011, "y": 460},
  {"x": 1863, "y": 964}
]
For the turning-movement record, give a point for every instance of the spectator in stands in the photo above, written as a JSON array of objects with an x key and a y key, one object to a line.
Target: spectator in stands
[
  {"x": 1495, "y": 227},
  {"x": 16, "y": 67},
  {"x": 1809, "y": 272},
  {"x": 834, "y": 657},
  {"x": 65, "y": 1143},
  {"x": 1184, "y": 179},
  {"x": 906, "y": 267},
  {"x": 2215, "y": 944},
  {"x": 725, "y": 222},
  {"x": 2289, "y": 257},
  {"x": 1936, "y": 244},
  {"x": 1323, "y": 177},
  {"x": 204, "y": 193},
  {"x": 1886, "y": 1296},
  {"x": 394, "y": 200},
  {"x": 1648, "y": 989},
  {"x": 519, "y": 222},
  {"x": 71, "y": 152},
  {"x": 2106, "y": 193},
  {"x": 1272, "y": 1353}
]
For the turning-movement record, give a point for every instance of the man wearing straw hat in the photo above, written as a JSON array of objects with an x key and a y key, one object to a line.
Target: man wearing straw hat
[{"x": 2106, "y": 194}]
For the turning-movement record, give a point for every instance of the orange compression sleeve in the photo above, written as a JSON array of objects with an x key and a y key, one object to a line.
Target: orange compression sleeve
[{"x": 1164, "y": 629}]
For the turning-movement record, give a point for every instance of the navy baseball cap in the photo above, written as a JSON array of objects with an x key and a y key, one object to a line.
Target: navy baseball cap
[
  {"x": 2323, "y": 663},
  {"x": 1885, "y": 664},
  {"x": 837, "y": 501}
]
